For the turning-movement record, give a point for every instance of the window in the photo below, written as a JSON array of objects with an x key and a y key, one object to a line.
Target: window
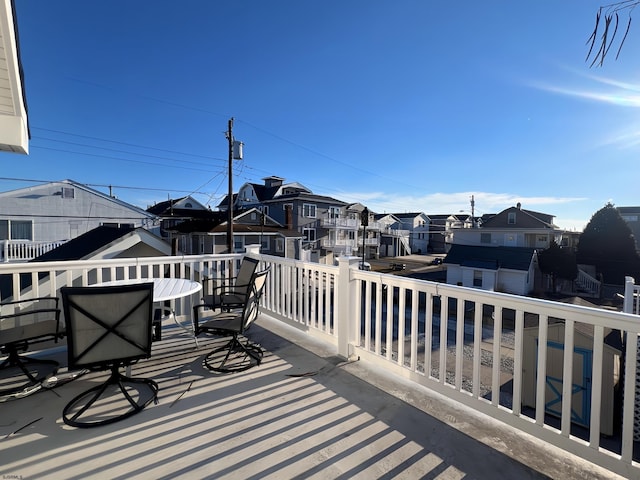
[
  {"x": 477, "y": 278},
  {"x": 485, "y": 238},
  {"x": 279, "y": 245},
  {"x": 68, "y": 192},
  {"x": 309, "y": 234},
  {"x": 308, "y": 210},
  {"x": 511, "y": 218},
  {"x": 265, "y": 244},
  {"x": 188, "y": 205},
  {"x": 16, "y": 230},
  {"x": 265, "y": 210},
  {"x": 334, "y": 212}
]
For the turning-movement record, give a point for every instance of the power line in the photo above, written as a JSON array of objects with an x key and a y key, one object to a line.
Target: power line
[
  {"x": 127, "y": 144},
  {"x": 31, "y": 180},
  {"x": 121, "y": 151}
]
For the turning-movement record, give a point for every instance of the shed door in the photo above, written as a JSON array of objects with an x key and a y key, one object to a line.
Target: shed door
[{"x": 580, "y": 386}]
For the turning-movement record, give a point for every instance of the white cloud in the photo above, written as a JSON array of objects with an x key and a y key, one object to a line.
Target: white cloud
[{"x": 440, "y": 203}]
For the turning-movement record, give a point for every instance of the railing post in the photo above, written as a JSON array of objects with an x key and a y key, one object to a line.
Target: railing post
[
  {"x": 345, "y": 291},
  {"x": 252, "y": 250},
  {"x": 627, "y": 305}
]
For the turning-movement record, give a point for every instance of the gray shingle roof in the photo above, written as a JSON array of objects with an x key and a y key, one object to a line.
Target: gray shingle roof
[{"x": 491, "y": 258}]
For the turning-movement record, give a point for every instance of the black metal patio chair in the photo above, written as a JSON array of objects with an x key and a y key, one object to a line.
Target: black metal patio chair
[
  {"x": 233, "y": 319},
  {"x": 108, "y": 328},
  {"x": 230, "y": 291},
  {"x": 22, "y": 324}
]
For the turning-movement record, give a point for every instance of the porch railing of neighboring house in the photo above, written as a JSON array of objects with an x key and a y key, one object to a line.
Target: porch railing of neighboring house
[
  {"x": 340, "y": 222},
  {"x": 396, "y": 233},
  {"x": 479, "y": 348},
  {"x": 25, "y": 250},
  {"x": 587, "y": 285}
]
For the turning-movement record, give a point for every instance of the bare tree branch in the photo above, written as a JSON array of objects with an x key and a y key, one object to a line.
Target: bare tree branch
[{"x": 607, "y": 15}]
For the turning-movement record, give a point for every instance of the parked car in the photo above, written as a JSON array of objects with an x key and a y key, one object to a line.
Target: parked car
[{"x": 436, "y": 261}]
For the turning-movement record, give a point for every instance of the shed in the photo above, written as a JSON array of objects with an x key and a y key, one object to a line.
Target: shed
[{"x": 582, "y": 368}]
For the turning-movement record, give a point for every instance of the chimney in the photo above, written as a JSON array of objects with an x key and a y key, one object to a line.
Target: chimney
[
  {"x": 518, "y": 205},
  {"x": 288, "y": 216}
]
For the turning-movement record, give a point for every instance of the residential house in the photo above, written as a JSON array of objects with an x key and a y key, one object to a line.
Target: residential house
[
  {"x": 250, "y": 227},
  {"x": 172, "y": 212},
  {"x": 322, "y": 221},
  {"x": 500, "y": 268},
  {"x": 631, "y": 215},
  {"x": 394, "y": 239},
  {"x": 330, "y": 227},
  {"x": 14, "y": 125},
  {"x": 417, "y": 224},
  {"x": 513, "y": 227},
  {"x": 46, "y": 215}
]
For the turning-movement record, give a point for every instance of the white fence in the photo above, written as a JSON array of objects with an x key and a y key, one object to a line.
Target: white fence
[
  {"x": 24, "y": 250},
  {"x": 468, "y": 344}
]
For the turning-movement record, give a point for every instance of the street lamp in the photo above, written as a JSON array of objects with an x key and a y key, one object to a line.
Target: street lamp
[{"x": 364, "y": 219}]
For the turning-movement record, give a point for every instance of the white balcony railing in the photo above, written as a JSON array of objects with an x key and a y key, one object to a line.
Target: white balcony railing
[
  {"x": 345, "y": 223},
  {"x": 339, "y": 242},
  {"x": 396, "y": 233},
  {"x": 477, "y": 347},
  {"x": 25, "y": 250}
]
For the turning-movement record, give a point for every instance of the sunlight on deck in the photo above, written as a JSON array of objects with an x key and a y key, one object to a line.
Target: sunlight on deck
[{"x": 286, "y": 418}]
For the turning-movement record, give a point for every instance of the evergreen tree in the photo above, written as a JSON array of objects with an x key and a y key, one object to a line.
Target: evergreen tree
[
  {"x": 607, "y": 242},
  {"x": 559, "y": 263}
]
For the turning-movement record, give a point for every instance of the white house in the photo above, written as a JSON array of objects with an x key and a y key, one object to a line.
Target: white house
[
  {"x": 500, "y": 269},
  {"x": 418, "y": 226},
  {"x": 55, "y": 212},
  {"x": 513, "y": 227}
]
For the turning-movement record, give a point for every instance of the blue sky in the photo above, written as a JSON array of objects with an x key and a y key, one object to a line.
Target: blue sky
[{"x": 403, "y": 105}]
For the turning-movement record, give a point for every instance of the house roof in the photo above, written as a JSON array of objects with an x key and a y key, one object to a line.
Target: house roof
[
  {"x": 409, "y": 215},
  {"x": 306, "y": 196},
  {"x": 220, "y": 227},
  {"x": 64, "y": 183},
  {"x": 85, "y": 244},
  {"x": 177, "y": 208},
  {"x": 524, "y": 219},
  {"x": 490, "y": 258}
]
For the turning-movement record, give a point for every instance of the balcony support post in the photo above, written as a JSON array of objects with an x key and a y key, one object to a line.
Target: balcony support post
[{"x": 345, "y": 300}]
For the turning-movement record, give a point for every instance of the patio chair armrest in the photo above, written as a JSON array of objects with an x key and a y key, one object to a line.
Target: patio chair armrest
[{"x": 25, "y": 322}]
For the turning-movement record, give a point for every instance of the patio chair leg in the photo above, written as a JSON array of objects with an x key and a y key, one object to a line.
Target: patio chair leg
[
  {"x": 16, "y": 360},
  {"x": 246, "y": 350},
  {"x": 77, "y": 407}
]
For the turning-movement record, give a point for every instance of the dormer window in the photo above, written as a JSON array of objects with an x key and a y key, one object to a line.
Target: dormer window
[
  {"x": 188, "y": 205},
  {"x": 511, "y": 218}
]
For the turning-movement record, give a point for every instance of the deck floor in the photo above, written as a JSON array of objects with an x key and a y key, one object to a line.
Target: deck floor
[{"x": 303, "y": 413}]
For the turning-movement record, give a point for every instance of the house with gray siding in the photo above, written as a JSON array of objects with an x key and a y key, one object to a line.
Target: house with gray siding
[{"x": 53, "y": 213}]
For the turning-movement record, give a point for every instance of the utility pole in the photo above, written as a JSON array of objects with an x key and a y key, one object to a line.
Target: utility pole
[
  {"x": 230, "y": 207},
  {"x": 473, "y": 212},
  {"x": 235, "y": 153}
]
